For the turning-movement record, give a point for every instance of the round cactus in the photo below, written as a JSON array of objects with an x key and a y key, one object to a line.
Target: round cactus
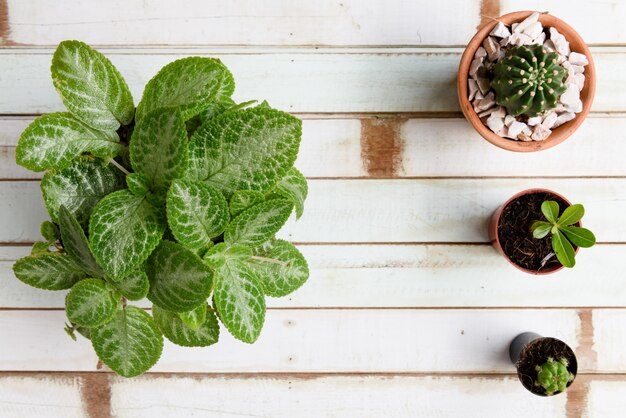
[
  {"x": 553, "y": 376},
  {"x": 528, "y": 80}
]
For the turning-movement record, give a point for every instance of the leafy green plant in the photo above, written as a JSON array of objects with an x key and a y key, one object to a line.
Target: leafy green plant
[
  {"x": 178, "y": 200},
  {"x": 553, "y": 376},
  {"x": 528, "y": 80},
  {"x": 564, "y": 234}
]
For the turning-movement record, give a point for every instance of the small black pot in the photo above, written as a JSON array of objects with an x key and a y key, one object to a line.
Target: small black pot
[{"x": 529, "y": 349}]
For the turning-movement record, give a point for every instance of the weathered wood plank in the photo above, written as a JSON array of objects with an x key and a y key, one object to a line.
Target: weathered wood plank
[
  {"x": 332, "y": 396},
  {"x": 343, "y": 211},
  {"x": 404, "y": 276},
  {"x": 609, "y": 339},
  {"x": 329, "y": 341},
  {"x": 242, "y": 22},
  {"x": 337, "y": 80},
  {"x": 606, "y": 399}
]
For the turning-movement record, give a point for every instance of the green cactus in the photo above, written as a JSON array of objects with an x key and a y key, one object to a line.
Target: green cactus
[
  {"x": 553, "y": 376},
  {"x": 528, "y": 80}
]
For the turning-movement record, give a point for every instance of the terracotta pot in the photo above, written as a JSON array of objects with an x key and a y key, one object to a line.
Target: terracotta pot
[
  {"x": 529, "y": 345},
  {"x": 559, "y": 134},
  {"x": 495, "y": 220}
]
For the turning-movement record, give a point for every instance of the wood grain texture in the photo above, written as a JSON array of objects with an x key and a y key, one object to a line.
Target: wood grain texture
[
  {"x": 315, "y": 341},
  {"x": 41, "y": 396},
  {"x": 409, "y": 276},
  {"x": 389, "y": 80}
]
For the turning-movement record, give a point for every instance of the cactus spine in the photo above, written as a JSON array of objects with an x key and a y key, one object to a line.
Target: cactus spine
[
  {"x": 528, "y": 80},
  {"x": 553, "y": 376}
]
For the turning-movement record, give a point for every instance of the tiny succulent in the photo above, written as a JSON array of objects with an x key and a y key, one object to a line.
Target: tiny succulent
[
  {"x": 564, "y": 234},
  {"x": 528, "y": 80},
  {"x": 553, "y": 376},
  {"x": 178, "y": 201}
]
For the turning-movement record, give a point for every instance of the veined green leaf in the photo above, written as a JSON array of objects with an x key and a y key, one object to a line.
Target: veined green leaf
[
  {"x": 134, "y": 286},
  {"x": 250, "y": 149},
  {"x": 79, "y": 187},
  {"x": 293, "y": 187},
  {"x": 124, "y": 229},
  {"x": 194, "y": 318},
  {"x": 90, "y": 303},
  {"x": 212, "y": 110},
  {"x": 49, "y": 231},
  {"x": 550, "y": 210},
  {"x": 244, "y": 199},
  {"x": 581, "y": 237},
  {"x": 179, "y": 280},
  {"x": 280, "y": 267},
  {"x": 91, "y": 87},
  {"x": 563, "y": 249},
  {"x": 217, "y": 255},
  {"x": 138, "y": 184},
  {"x": 76, "y": 244},
  {"x": 540, "y": 229},
  {"x": 256, "y": 225},
  {"x": 239, "y": 299},
  {"x": 40, "y": 247},
  {"x": 56, "y": 139},
  {"x": 571, "y": 215},
  {"x": 188, "y": 84},
  {"x": 196, "y": 213},
  {"x": 158, "y": 148},
  {"x": 175, "y": 330},
  {"x": 130, "y": 343},
  {"x": 49, "y": 271}
]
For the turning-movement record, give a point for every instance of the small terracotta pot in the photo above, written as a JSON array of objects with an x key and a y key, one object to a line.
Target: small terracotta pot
[
  {"x": 559, "y": 134},
  {"x": 495, "y": 220}
]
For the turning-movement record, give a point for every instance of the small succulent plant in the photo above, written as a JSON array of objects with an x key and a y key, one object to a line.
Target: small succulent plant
[
  {"x": 553, "y": 376},
  {"x": 564, "y": 234},
  {"x": 528, "y": 80}
]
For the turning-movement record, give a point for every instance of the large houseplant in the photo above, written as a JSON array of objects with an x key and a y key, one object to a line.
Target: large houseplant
[{"x": 178, "y": 200}]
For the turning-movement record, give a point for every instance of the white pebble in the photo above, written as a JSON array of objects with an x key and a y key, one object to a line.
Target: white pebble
[
  {"x": 540, "y": 133},
  {"x": 560, "y": 43},
  {"x": 495, "y": 123},
  {"x": 549, "y": 119},
  {"x": 518, "y": 39},
  {"x": 571, "y": 95},
  {"x": 533, "y": 30},
  {"x": 578, "y": 79},
  {"x": 516, "y": 128},
  {"x": 527, "y": 131},
  {"x": 535, "y": 120},
  {"x": 576, "y": 107},
  {"x": 501, "y": 31},
  {"x": 474, "y": 66},
  {"x": 484, "y": 85},
  {"x": 549, "y": 46},
  {"x": 524, "y": 24},
  {"x": 492, "y": 47},
  {"x": 499, "y": 112},
  {"x": 508, "y": 120},
  {"x": 486, "y": 103},
  {"x": 540, "y": 39},
  {"x": 480, "y": 52},
  {"x": 472, "y": 86},
  {"x": 578, "y": 59},
  {"x": 503, "y": 132},
  {"x": 564, "y": 117}
]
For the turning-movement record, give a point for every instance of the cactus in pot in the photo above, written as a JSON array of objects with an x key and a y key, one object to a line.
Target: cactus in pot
[{"x": 553, "y": 376}]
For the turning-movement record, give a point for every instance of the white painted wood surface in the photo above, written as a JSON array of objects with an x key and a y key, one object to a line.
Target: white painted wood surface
[{"x": 403, "y": 287}]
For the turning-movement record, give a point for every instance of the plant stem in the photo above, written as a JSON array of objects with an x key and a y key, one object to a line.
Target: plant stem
[
  {"x": 118, "y": 165},
  {"x": 269, "y": 260}
]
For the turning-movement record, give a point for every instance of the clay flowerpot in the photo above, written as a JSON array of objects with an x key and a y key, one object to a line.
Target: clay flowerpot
[
  {"x": 560, "y": 133},
  {"x": 521, "y": 213},
  {"x": 529, "y": 349}
]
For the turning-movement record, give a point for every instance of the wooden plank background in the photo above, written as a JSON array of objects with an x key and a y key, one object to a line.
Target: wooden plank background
[{"x": 408, "y": 311}]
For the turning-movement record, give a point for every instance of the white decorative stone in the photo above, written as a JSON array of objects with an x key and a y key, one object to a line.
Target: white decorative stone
[
  {"x": 535, "y": 120},
  {"x": 540, "y": 133},
  {"x": 518, "y": 39},
  {"x": 472, "y": 87},
  {"x": 576, "y": 107},
  {"x": 528, "y": 132},
  {"x": 578, "y": 59},
  {"x": 526, "y": 23},
  {"x": 578, "y": 79},
  {"x": 516, "y": 128},
  {"x": 492, "y": 47},
  {"x": 486, "y": 103},
  {"x": 549, "y": 46},
  {"x": 504, "y": 133},
  {"x": 549, "y": 119},
  {"x": 479, "y": 96},
  {"x": 540, "y": 39},
  {"x": 499, "y": 112},
  {"x": 571, "y": 95},
  {"x": 533, "y": 30},
  {"x": 524, "y": 137},
  {"x": 475, "y": 65},
  {"x": 564, "y": 117},
  {"x": 508, "y": 120},
  {"x": 484, "y": 85},
  {"x": 560, "y": 43},
  {"x": 495, "y": 123},
  {"x": 501, "y": 31},
  {"x": 480, "y": 52}
]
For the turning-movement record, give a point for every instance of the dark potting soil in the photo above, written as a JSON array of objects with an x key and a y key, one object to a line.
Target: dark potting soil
[
  {"x": 536, "y": 353},
  {"x": 515, "y": 235}
]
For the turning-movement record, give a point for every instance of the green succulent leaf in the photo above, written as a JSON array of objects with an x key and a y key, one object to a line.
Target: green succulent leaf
[
  {"x": 239, "y": 299},
  {"x": 563, "y": 249},
  {"x": 158, "y": 148},
  {"x": 571, "y": 215},
  {"x": 124, "y": 229},
  {"x": 550, "y": 210},
  {"x": 49, "y": 271},
  {"x": 56, "y": 139},
  {"x": 79, "y": 187},
  {"x": 244, "y": 199},
  {"x": 196, "y": 213},
  {"x": 540, "y": 229},
  {"x": 194, "y": 318},
  {"x": 130, "y": 343},
  {"x": 175, "y": 330},
  {"x": 138, "y": 184},
  {"x": 258, "y": 224},
  {"x": 76, "y": 244},
  {"x": 581, "y": 237},
  {"x": 134, "y": 286},
  {"x": 280, "y": 267},
  {"x": 188, "y": 84},
  {"x": 49, "y": 231},
  {"x": 179, "y": 280},
  {"x": 40, "y": 247},
  {"x": 91, "y": 87},
  {"x": 293, "y": 187},
  {"x": 250, "y": 149},
  {"x": 90, "y": 303}
]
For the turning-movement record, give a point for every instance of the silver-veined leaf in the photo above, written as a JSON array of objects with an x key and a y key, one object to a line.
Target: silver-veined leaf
[
  {"x": 244, "y": 199},
  {"x": 90, "y": 303},
  {"x": 134, "y": 286},
  {"x": 76, "y": 244},
  {"x": 175, "y": 330},
  {"x": 280, "y": 267},
  {"x": 49, "y": 271},
  {"x": 258, "y": 224},
  {"x": 293, "y": 186}
]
